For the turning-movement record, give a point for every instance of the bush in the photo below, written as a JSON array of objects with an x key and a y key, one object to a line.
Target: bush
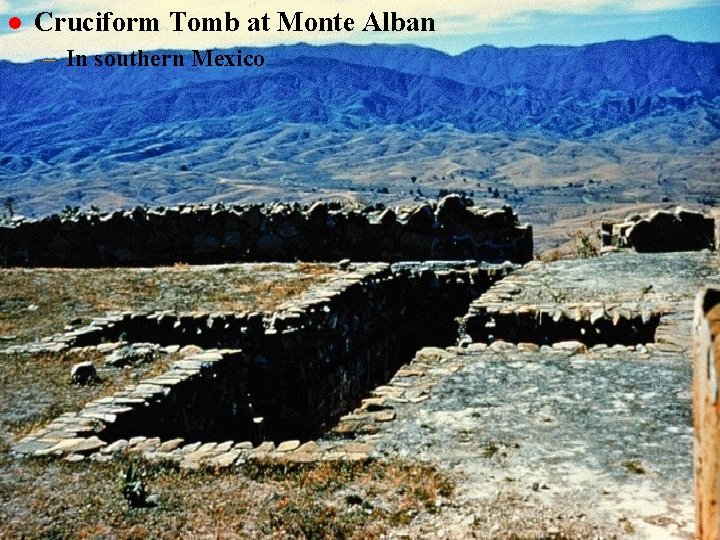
[
  {"x": 585, "y": 246},
  {"x": 133, "y": 488}
]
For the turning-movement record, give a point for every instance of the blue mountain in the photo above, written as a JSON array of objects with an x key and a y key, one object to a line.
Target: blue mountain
[
  {"x": 61, "y": 122},
  {"x": 568, "y": 91}
]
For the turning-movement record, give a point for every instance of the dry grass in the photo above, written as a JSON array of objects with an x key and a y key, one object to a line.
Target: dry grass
[
  {"x": 52, "y": 499},
  {"x": 34, "y": 388},
  {"x": 38, "y": 302}
]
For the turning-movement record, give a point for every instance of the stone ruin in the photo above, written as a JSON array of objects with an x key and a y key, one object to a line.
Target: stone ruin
[
  {"x": 333, "y": 365},
  {"x": 452, "y": 229},
  {"x": 661, "y": 231},
  {"x": 298, "y": 369}
]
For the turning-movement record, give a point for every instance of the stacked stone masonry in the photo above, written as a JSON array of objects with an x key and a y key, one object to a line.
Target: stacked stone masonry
[
  {"x": 499, "y": 315},
  {"x": 167, "y": 415},
  {"x": 615, "y": 299},
  {"x": 323, "y": 352},
  {"x": 286, "y": 375},
  {"x": 451, "y": 229},
  {"x": 660, "y": 231}
]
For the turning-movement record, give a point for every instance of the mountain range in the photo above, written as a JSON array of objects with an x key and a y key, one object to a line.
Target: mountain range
[{"x": 341, "y": 118}]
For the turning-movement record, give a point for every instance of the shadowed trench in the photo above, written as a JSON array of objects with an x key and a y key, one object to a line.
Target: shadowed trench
[
  {"x": 545, "y": 328},
  {"x": 296, "y": 381}
]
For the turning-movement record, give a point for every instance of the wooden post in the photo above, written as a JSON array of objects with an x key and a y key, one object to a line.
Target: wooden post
[{"x": 706, "y": 412}]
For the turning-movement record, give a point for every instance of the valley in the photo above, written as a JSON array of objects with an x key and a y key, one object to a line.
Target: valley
[{"x": 562, "y": 134}]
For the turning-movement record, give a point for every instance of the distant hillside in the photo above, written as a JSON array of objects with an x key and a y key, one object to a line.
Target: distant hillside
[
  {"x": 648, "y": 66},
  {"x": 566, "y": 91},
  {"x": 341, "y": 118}
]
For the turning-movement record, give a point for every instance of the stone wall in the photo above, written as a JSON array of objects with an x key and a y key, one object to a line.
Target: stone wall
[
  {"x": 661, "y": 230},
  {"x": 577, "y": 300},
  {"x": 452, "y": 229},
  {"x": 286, "y": 375},
  {"x": 706, "y": 408},
  {"x": 590, "y": 324}
]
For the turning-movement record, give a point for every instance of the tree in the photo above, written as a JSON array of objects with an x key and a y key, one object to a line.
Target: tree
[{"x": 8, "y": 205}]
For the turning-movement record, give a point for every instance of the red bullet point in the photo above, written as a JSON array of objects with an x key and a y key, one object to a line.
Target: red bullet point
[{"x": 15, "y": 23}]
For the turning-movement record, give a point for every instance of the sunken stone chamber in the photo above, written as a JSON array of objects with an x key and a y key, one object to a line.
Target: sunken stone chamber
[
  {"x": 546, "y": 325},
  {"x": 616, "y": 299},
  {"x": 289, "y": 375}
]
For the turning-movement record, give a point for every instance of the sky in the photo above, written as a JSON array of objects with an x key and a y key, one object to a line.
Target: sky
[{"x": 459, "y": 24}]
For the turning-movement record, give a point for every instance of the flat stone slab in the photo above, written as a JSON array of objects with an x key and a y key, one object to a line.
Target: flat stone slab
[
  {"x": 288, "y": 446},
  {"x": 71, "y": 446}
]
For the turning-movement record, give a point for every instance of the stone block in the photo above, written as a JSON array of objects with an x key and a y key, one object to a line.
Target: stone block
[
  {"x": 662, "y": 230},
  {"x": 706, "y": 411}
]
